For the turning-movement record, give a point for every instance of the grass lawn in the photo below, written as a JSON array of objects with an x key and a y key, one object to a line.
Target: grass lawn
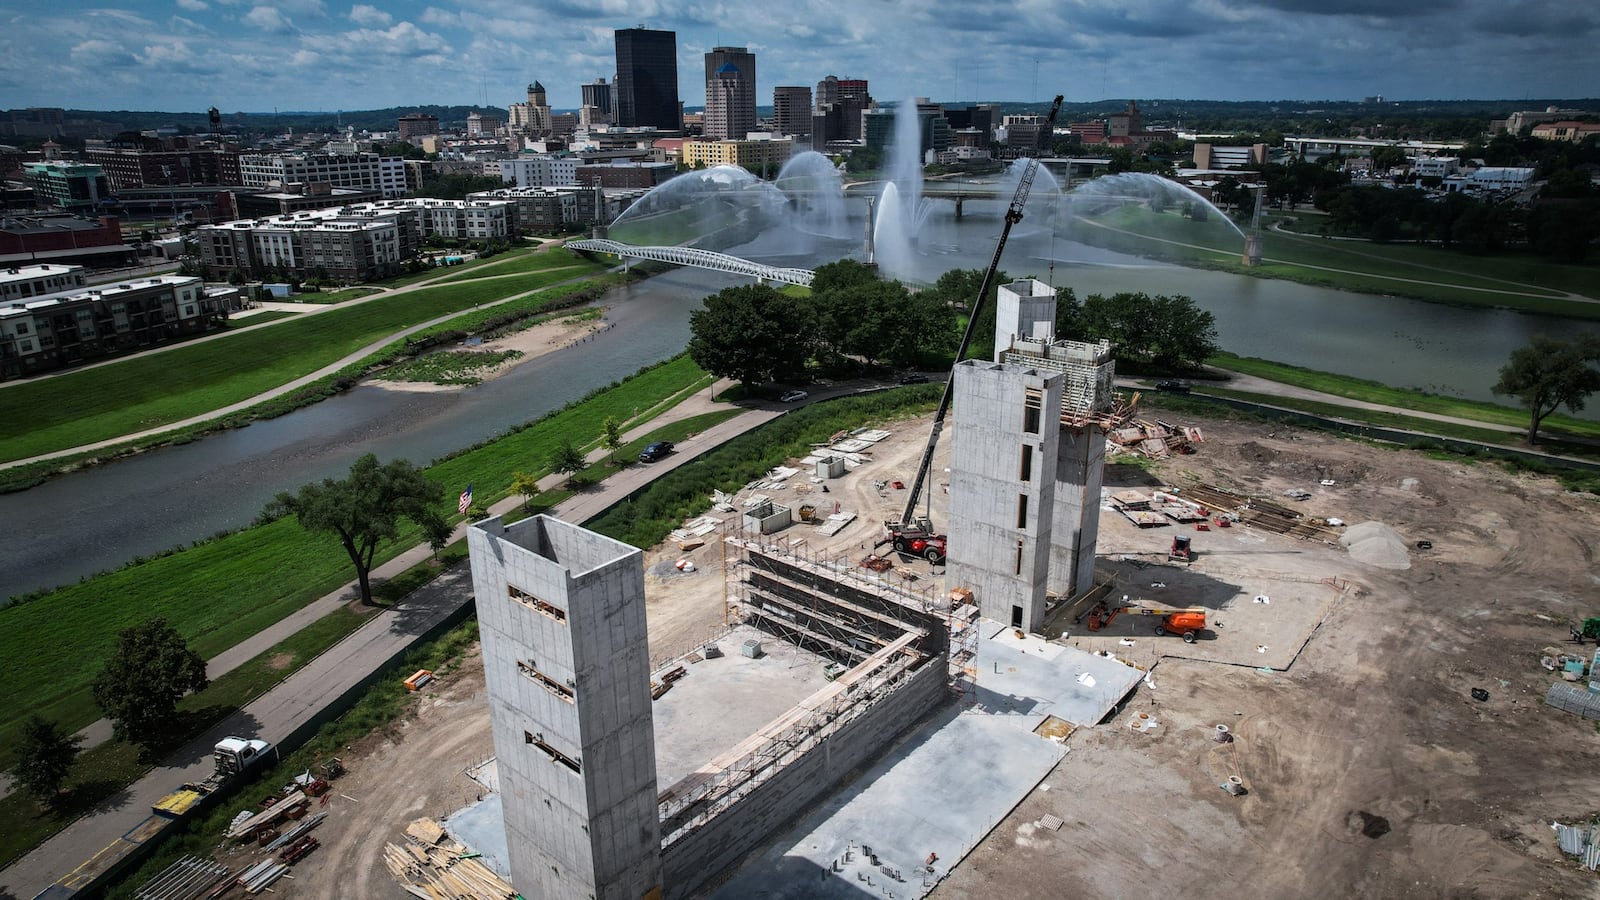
[
  {"x": 1373, "y": 392},
  {"x": 155, "y": 389},
  {"x": 449, "y": 366},
  {"x": 219, "y": 592},
  {"x": 385, "y": 702},
  {"x": 103, "y": 770},
  {"x": 266, "y": 315},
  {"x": 554, "y": 258},
  {"x": 1424, "y": 272}
]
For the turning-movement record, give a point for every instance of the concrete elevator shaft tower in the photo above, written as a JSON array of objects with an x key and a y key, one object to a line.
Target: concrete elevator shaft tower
[{"x": 1027, "y": 461}]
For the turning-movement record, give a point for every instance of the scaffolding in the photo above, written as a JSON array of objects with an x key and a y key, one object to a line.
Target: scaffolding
[
  {"x": 1089, "y": 396},
  {"x": 882, "y": 630}
]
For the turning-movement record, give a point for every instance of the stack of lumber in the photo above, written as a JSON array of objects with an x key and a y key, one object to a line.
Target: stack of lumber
[{"x": 434, "y": 866}]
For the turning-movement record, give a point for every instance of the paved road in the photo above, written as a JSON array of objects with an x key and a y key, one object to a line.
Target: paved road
[{"x": 298, "y": 698}]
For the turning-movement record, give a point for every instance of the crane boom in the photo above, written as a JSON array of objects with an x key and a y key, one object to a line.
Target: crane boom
[{"x": 1013, "y": 216}]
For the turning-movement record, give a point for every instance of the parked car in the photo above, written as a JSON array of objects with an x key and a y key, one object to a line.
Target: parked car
[
  {"x": 1173, "y": 384},
  {"x": 655, "y": 451},
  {"x": 913, "y": 378},
  {"x": 793, "y": 396}
]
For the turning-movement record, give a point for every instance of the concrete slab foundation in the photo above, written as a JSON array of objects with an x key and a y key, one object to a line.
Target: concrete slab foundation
[
  {"x": 1031, "y": 678},
  {"x": 937, "y": 793}
]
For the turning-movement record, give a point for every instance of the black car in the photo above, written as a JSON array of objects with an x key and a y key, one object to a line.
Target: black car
[
  {"x": 913, "y": 378},
  {"x": 1172, "y": 384},
  {"x": 655, "y": 451}
]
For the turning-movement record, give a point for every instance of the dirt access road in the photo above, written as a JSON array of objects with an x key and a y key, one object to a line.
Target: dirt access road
[{"x": 1371, "y": 771}]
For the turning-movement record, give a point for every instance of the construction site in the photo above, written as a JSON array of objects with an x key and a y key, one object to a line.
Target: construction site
[
  {"x": 1343, "y": 675},
  {"x": 1150, "y": 671}
]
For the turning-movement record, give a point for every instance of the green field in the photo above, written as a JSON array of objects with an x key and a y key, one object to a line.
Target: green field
[
  {"x": 1373, "y": 392},
  {"x": 1424, "y": 272},
  {"x": 222, "y": 591},
  {"x": 155, "y": 389},
  {"x": 554, "y": 258}
]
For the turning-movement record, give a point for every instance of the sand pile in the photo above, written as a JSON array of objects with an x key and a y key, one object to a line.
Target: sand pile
[{"x": 1376, "y": 544}]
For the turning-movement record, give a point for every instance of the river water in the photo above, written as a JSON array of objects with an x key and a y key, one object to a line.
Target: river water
[{"x": 99, "y": 518}]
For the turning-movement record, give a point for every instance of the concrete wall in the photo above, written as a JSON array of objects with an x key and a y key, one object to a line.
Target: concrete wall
[
  {"x": 569, "y": 705},
  {"x": 1075, "y": 526},
  {"x": 999, "y": 541},
  {"x": 1025, "y": 309},
  {"x": 697, "y": 858}
]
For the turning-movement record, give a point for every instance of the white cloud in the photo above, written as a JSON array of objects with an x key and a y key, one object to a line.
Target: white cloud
[
  {"x": 370, "y": 16},
  {"x": 269, "y": 20},
  {"x": 193, "y": 5}
]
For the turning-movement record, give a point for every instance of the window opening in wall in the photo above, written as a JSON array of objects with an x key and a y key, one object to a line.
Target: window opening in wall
[
  {"x": 556, "y": 756},
  {"x": 534, "y": 603},
  {"x": 1033, "y": 404},
  {"x": 1016, "y": 617},
  {"x": 1026, "y": 474},
  {"x": 1022, "y": 512},
  {"x": 1019, "y": 556},
  {"x": 545, "y": 681}
]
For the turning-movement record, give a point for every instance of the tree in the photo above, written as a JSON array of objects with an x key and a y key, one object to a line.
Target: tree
[
  {"x": 526, "y": 486},
  {"x": 45, "y": 754},
  {"x": 1162, "y": 333},
  {"x": 437, "y": 532},
  {"x": 365, "y": 509},
  {"x": 613, "y": 435},
  {"x": 139, "y": 688},
  {"x": 568, "y": 459},
  {"x": 1548, "y": 374},
  {"x": 751, "y": 333}
]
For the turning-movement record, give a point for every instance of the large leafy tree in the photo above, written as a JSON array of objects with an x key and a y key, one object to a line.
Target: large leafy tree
[
  {"x": 142, "y": 682},
  {"x": 365, "y": 509},
  {"x": 751, "y": 333},
  {"x": 45, "y": 754},
  {"x": 1160, "y": 333},
  {"x": 1548, "y": 374}
]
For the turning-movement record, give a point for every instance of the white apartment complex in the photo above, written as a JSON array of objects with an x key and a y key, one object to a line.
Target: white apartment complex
[
  {"x": 341, "y": 170},
  {"x": 540, "y": 171}
]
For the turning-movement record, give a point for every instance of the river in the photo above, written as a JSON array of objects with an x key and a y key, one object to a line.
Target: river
[{"x": 99, "y": 518}]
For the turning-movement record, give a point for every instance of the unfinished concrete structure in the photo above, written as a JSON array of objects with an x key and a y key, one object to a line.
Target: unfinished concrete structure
[
  {"x": 561, "y": 612},
  {"x": 566, "y": 660},
  {"x": 1027, "y": 459}
]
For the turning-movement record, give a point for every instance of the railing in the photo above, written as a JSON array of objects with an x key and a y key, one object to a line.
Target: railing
[{"x": 693, "y": 256}]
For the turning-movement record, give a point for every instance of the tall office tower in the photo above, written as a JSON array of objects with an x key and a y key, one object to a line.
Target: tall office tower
[
  {"x": 791, "y": 109},
  {"x": 647, "y": 78},
  {"x": 566, "y": 661},
  {"x": 730, "y": 93},
  {"x": 598, "y": 95}
]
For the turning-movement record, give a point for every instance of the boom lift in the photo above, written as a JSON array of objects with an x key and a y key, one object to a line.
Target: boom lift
[
  {"x": 1185, "y": 621},
  {"x": 914, "y": 534}
]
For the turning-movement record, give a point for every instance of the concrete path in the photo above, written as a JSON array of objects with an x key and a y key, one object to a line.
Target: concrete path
[
  {"x": 297, "y": 383},
  {"x": 277, "y": 713}
]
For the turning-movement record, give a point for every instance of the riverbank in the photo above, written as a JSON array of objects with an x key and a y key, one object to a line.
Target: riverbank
[{"x": 1432, "y": 274}]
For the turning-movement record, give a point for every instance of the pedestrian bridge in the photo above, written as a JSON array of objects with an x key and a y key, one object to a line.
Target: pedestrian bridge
[{"x": 693, "y": 256}]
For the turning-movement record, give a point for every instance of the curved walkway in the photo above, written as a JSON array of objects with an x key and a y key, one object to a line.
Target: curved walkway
[
  {"x": 297, "y": 383},
  {"x": 1546, "y": 295}
]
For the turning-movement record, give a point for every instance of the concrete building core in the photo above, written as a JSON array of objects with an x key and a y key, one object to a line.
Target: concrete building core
[
  {"x": 562, "y": 621},
  {"x": 1027, "y": 461}
]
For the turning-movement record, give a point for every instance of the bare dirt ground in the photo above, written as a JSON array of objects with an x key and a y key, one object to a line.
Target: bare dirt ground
[
  {"x": 532, "y": 342},
  {"x": 1371, "y": 772}
]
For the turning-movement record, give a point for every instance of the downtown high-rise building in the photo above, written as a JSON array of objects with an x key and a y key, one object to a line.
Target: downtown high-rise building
[
  {"x": 647, "y": 78},
  {"x": 791, "y": 109},
  {"x": 730, "y": 93},
  {"x": 839, "y": 103},
  {"x": 598, "y": 95}
]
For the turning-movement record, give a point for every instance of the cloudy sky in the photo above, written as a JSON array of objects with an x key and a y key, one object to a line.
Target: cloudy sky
[{"x": 257, "y": 55}]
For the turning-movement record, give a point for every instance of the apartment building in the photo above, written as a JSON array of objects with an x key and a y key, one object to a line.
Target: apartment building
[
  {"x": 82, "y": 324},
  {"x": 356, "y": 171}
]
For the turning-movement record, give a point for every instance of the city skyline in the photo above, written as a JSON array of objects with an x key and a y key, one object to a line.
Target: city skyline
[{"x": 240, "y": 55}]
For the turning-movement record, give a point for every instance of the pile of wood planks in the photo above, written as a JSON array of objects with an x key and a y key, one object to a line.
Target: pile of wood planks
[{"x": 434, "y": 866}]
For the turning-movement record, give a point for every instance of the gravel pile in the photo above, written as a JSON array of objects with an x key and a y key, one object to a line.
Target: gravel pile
[{"x": 1376, "y": 544}]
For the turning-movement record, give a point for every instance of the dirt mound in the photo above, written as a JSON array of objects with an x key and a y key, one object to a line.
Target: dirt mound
[{"x": 1376, "y": 544}]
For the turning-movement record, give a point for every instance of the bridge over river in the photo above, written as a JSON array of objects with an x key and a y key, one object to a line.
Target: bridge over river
[{"x": 694, "y": 256}]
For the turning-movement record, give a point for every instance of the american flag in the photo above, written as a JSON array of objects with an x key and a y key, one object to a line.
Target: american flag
[{"x": 466, "y": 501}]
